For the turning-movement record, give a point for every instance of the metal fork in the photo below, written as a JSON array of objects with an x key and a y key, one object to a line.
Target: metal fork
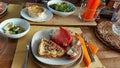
[{"x": 27, "y": 54}]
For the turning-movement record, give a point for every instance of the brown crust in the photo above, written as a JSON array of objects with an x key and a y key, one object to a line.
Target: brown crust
[{"x": 50, "y": 48}]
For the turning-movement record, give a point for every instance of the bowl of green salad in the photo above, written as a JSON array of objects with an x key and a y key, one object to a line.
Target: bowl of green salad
[
  {"x": 61, "y": 8},
  {"x": 14, "y": 27}
]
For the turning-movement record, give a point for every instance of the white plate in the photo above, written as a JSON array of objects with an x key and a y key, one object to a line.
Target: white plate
[
  {"x": 47, "y": 16},
  {"x": 4, "y": 7},
  {"x": 51, "y": 61}
]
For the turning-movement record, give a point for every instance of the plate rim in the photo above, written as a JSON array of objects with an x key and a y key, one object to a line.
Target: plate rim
[
  {"x": 24, "y": 10},
  {"x": 5, "y": 8},
  {"x": 71, "y": 61}
]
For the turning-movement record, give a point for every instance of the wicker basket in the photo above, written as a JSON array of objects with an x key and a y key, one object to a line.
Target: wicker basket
[{"x": 104, "y": 32}]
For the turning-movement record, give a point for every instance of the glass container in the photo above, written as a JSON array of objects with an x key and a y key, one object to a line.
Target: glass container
[{"x": 89, "y": 10}]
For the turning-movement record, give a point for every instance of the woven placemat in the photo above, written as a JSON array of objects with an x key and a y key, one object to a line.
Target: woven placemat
[{"x": 104, "y": 32}]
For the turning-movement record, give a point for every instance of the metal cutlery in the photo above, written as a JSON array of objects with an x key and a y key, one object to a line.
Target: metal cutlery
[
  {"x": 27, "y": 54},
  {"x": 89, "y": 51}
]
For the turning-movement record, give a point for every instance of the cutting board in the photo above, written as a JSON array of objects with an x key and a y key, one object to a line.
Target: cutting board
[
  {"x": 71, "y": 20},
  {"x": 13, "y": 11},
  {"x": 19, "y": 56}
]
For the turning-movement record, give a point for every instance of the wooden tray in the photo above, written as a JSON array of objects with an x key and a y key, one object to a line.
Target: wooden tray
[
  {"x": 21, "y": 49},
  {"x": 71, "y": 20},
  {"x": 104, "y": 32}
]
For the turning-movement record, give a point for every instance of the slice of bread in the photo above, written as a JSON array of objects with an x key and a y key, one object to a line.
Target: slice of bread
[{"x": 49, "y": 49}]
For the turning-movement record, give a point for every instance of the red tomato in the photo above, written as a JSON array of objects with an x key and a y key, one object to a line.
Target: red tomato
[{"x": 62, "y": 37}]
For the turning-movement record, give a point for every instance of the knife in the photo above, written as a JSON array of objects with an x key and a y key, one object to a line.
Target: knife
[{"x": 89, "y": 51}]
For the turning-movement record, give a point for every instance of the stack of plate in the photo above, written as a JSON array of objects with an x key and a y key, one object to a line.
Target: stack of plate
[
  {"x": 4, "y": 7},
  {"x": 58, "y": 62}
]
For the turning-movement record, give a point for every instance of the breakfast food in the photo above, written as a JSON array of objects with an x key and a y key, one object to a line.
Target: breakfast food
[
  {"x": 49, "y": 49},
  {"x": 62, "y": 37},
  {"x": 74, "y": 49},
  {"x": 62, "y": 43},
  {"x": 11, "y": 28},
  {"x": 35, "y": 11},
  {"x": 62, "y": 7}
]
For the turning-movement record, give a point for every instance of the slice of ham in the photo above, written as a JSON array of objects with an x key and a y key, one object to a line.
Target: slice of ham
[{"x": 62, "y": 37}]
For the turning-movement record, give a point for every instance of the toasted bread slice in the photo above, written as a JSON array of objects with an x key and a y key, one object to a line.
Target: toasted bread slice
[{"x": 49, "y": 49}]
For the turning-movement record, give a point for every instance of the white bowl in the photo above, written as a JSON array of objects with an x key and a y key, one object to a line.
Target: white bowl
[
  {"x": 19, "y": 22},
  {"x": 59, "y": 12}
]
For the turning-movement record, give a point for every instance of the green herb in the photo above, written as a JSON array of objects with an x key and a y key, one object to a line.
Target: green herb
[
  {"x": 63, "y": 7},
  {"x": 11, "y": 28}
]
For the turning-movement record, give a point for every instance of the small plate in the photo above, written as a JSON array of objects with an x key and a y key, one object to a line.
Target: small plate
[
  {"x": 47, "y": 16},
  {"x": 51, "y": 61},
  {"x": 4, "y": 7}
]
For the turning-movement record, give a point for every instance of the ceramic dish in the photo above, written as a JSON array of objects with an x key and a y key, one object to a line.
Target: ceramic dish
[
  {"x": 47, "y": 16},
  {"x": 71, "y": 65},
  {"x": 51, "y": 61},
  {"x": 60, "y": 13},
  {"x": 18, "y": 22},
  {"x": 4, "y": 7}
]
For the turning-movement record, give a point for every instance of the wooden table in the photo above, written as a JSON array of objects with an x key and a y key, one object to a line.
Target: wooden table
[{"x": 108, "y": 57}]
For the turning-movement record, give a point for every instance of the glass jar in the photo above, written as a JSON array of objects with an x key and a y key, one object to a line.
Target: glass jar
[{"x": 88, "y": 10}]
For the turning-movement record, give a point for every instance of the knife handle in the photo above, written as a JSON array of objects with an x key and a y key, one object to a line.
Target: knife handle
[{"x": 90, "y": 54}]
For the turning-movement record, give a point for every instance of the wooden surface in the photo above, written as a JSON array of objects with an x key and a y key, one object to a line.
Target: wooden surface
[
  {"x": 71, "y": 20},
  {"x": 108, "y": 57},
  {"x": 7, "y": 57},
  {"x": 21, "y": 49},
  {"x": 13, "y": 11}
]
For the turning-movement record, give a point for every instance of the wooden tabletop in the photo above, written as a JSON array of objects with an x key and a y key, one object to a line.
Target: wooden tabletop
[{"x": 108, "y": 57}]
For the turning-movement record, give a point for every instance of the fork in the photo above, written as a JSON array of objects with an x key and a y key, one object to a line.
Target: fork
[{"x": 27, "y": 54}]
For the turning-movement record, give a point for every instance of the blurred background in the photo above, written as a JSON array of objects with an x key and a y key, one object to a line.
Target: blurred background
[{"x": 77, "y": 2}]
